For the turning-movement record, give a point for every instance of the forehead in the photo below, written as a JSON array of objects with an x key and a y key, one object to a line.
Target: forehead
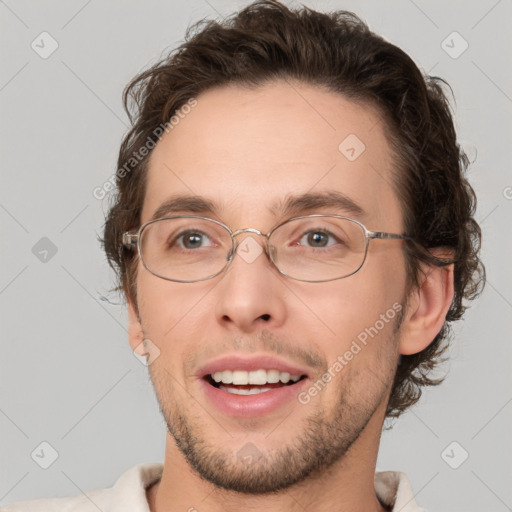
[{"x": 249, "y": 151}]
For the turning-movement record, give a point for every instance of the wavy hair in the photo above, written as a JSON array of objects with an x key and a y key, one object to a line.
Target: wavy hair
[{"x": 268, "y": 41}]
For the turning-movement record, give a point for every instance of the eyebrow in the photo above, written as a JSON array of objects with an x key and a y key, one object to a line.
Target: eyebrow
[
  {"x": 185, "y": 204},
  {"x": 297, "y": 204},
  {"x": 290, "y": 206}
]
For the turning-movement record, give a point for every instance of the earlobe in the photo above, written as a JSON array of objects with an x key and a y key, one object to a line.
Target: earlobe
[
  {"x": 135, "y": 332},
  {"x": 427, "y": 308}
]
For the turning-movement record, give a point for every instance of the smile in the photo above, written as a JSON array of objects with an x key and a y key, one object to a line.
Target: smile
[
  {"x": 240, "y": 382},
  {"x": 243, "y": 388}
]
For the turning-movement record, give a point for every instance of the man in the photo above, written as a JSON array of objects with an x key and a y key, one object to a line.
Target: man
[{"x": 292, "y": 232}]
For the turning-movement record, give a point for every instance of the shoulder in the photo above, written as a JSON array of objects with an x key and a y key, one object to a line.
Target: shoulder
[
  {"x": 71, "y": 504},
  {"x": 394, "y": 490},
  {"x": 129, "y": 492},
  {"x": 50, "y": 505}
]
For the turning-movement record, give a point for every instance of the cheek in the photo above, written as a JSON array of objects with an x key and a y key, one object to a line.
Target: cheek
[
  {"x": 361, "y": 307},
  {"x": 345, "y": 307},
  {"x": 171, "y": 311},
  {"x": 381, "y": 282},
  {"x": 158, "y": 306}
]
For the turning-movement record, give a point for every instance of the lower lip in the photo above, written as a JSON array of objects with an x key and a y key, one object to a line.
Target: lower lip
[{"x": 250, "y": 406}]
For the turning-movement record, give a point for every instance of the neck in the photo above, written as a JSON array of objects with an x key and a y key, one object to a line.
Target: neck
[{"x": 348, "y": 485}]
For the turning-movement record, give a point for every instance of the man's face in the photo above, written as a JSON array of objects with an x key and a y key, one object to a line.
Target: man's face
[{"x": 246, "y": 151}]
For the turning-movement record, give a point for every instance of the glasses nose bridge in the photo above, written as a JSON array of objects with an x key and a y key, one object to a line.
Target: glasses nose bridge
[{"x": 249, "y": 230}]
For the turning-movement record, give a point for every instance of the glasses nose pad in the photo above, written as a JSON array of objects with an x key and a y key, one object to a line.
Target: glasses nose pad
[
  {"x": 231, "y": 252},
  {"x": 271, "y": 251}
]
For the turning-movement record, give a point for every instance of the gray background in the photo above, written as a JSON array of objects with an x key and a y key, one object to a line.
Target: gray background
[{"x": 67, "y": 374}]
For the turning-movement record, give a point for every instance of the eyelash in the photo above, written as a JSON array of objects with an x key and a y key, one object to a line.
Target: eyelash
[{"x": 180, "y": 237}]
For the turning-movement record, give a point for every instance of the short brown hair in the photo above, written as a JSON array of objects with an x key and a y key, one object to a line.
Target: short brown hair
[{"x": 267, "y": 41}]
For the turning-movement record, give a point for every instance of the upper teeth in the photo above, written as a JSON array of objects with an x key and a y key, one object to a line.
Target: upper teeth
[{"x": 258, "y": 377}]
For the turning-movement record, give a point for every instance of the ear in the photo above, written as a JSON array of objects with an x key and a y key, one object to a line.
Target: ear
[
  {"x": 426, "y": 310},
  {"x": 135, "y": 332}
]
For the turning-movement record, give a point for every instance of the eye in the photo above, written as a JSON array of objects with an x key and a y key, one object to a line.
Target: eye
[
  {"x": 192, "y": 239},
  {"x": 318, "y": 238}
]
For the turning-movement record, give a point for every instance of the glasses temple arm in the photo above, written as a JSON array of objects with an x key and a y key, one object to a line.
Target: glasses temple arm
[{"x": 387, "y": 236}]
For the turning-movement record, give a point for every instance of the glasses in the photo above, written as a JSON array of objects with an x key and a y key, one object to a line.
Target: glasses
[{"x": 312, "y": 248}]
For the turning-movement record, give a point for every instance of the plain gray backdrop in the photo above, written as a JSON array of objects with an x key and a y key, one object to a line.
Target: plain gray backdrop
[{"x": 68, "y": 376}]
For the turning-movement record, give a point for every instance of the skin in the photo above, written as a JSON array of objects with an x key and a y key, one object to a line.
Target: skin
[{"x": 245, "y": 150}]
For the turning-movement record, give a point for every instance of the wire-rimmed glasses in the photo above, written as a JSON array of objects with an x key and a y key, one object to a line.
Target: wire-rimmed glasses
[{"x": 312, "y": 248}]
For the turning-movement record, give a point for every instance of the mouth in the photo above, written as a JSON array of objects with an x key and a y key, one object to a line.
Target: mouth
[
  {"x": 240, "y": 382},
  {"x": 251, "y": 387}
]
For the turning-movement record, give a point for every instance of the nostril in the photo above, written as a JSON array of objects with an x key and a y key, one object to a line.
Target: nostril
[{"x": 265, "y": 317}]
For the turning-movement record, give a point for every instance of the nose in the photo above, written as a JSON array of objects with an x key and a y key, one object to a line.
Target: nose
[{"x": 250, "y": 296}]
